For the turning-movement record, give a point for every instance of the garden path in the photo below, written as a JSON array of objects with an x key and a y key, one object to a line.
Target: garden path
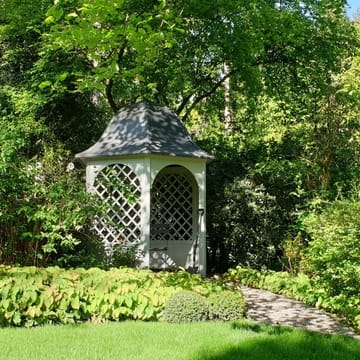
[{"x": 268, "y": 308}]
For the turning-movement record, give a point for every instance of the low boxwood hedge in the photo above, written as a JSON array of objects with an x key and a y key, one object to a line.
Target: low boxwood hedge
[{"x": 185, "y": 307}]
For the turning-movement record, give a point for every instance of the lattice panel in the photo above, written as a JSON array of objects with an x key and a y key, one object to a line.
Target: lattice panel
[
  {"x": 119, "y": 188},
  {"x": 172, "y": 208},
  {"x": 159, "y": 259}
]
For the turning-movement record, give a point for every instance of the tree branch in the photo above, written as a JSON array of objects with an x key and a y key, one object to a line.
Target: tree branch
[
  {"x": 110, "y": 83},
  {"x": 109, "y": 96},
  {"x": 204, "y": 95}
]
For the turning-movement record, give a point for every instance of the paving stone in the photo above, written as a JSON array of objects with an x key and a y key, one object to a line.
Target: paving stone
[{"x": 268, "y": 308}]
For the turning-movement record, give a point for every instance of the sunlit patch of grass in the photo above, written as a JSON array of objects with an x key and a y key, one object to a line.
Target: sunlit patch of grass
[{"x": 144, "y": 340}]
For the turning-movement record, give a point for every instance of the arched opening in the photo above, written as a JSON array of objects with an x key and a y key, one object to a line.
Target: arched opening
[{"x": 173, "y": 218}]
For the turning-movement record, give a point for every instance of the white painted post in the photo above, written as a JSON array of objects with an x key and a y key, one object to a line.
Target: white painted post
[
  {"x": 202, "y": 222},
  {"x": 145, "y": 181}
]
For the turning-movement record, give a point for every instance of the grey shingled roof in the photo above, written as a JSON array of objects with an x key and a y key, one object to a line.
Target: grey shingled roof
[{"x": 144, "y": 128}]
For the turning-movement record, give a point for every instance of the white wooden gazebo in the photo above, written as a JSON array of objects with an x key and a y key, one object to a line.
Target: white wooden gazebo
[{"x": 152, "y": 178}]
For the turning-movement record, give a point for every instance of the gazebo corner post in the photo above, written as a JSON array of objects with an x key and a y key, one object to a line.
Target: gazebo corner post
[
  {"x": 90, "y": 176},
  {"x": 202, "y": 223},
  {"x": 202, "y": 249},
  {"x": 144, "y": 245}
]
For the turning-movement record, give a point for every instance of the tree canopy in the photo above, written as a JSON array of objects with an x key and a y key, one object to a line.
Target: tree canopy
[{"x": 174, "y": 52}]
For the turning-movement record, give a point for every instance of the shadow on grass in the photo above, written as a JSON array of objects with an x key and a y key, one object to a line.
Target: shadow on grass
[
  {"x": 282, "y": 343},
  {"x": 261, "y": 328}
]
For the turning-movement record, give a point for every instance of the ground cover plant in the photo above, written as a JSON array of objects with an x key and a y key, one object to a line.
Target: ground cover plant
[
  {"x": 31, "y": 296},
  {"x": 148, "y": 340}
]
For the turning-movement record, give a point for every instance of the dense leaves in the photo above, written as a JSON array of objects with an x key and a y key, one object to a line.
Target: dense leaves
[
  {"x": 227, "y": 306},
  {"x": 174, "y": 52},
  {"x": 185, "y": 307},
  {"x": 31, "y": 296},
  {"x": 270, "y": 88},
  {"x": 44, "y": 210},
  {"x": 332, "y": 259}
]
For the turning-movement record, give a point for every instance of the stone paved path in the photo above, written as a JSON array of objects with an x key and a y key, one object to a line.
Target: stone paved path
[{"x": 268, "y": 308}]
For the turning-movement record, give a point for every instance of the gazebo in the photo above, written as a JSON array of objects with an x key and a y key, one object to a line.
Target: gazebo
[{"x": 152, "y": 178}]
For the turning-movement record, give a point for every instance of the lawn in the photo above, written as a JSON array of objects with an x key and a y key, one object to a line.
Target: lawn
[{"x": 160, "y": 341}]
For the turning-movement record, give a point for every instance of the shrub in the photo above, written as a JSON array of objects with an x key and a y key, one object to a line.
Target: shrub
[
  {"x": 184, "y": 307},
  {"x": 193, "y": 282},
  {"x": 296, "y": 286},
  {"x": 46, "y": 212},
  {"x": 243, "y": 226},
  {"x": 124, "y": 256},
  {"x": 226, "y": 306},
  {"x": 332, "y": 259}
]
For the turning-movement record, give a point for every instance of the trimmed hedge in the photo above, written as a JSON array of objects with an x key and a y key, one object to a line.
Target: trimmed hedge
[
  {"x": 188, "y": 306},
  {"x": 185, "y": 307},
  {"x": 226, "y": 306}
]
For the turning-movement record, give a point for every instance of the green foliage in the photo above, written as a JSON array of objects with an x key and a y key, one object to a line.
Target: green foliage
[
  {"x": 192, "y": 282},
  {"x": 87, "y": 252},
  {"x": 32, "y": 296},
  {"x": 332, "y": 259},
  {"x": 296, "y": 286},
  {"x": 333, "y": 256},
  {"x": 185, "y": 306},
  {"x": 44, "y": 209},
  {"x": 250, "y": 228},
  {"x": 49, "y": 208},
  {"x": 215, "y": 302},
  {"x": 66, "y": 65},
  {"x": 174, "y": 52},
  {"x": 243, "y": 222},
  {"x": 125, "y": 256},
  {"x": 293, "y": 253},
  {"x": 226, "y": 306}
]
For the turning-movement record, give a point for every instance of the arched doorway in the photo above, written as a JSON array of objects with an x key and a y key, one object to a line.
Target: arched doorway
[{"x": 173, "y": 219}]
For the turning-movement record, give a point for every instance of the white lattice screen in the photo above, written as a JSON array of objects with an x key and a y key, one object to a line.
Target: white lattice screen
[
  {"x": 172, "y": 208},
  {"x": 119, "y": 188}
]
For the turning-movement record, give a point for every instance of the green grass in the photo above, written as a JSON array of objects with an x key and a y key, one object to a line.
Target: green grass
[{"x": 160, "y": 341}]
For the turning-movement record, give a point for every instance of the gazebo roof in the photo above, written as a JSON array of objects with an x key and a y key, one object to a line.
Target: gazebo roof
[{"x": 144, "y": 128}]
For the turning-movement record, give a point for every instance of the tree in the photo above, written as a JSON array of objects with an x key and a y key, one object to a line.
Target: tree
[
  {"x": 43, "y": 208},
  {"x": 174, "y": 52}
]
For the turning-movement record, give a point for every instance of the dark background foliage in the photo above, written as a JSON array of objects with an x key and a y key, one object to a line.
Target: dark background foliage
[{"x": 269, "y": 88}]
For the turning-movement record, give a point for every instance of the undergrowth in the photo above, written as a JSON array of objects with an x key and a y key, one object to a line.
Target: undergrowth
[{"x": 32, "y": 296}]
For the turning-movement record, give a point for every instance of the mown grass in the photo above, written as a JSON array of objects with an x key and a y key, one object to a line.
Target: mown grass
[{"x": 145, "y": 340}]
